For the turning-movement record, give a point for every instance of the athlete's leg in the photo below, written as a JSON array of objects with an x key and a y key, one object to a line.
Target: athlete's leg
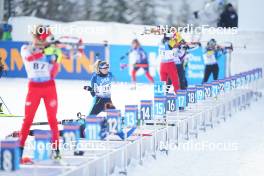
[
  {"x": 133, "y": 74},
  {"x": 173, "y": 75},
  {"x": 168, "y": 85},
  {"x": 181, "y": 75},
  {"x": 207, "y": 73},
  {"x": 215, "y": 71},
  {"x": 185, "y": 82},
  {"x": 163, "y": 72},
  {"x": 51, "y": 104},
  {"x": 149, "y": 77},
  {"x": 98, "y": 106},
  {"x": 31, "y": 106}
]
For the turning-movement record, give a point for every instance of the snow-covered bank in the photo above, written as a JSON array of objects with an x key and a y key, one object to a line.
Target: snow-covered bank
[{"x": 243, "y": 154}]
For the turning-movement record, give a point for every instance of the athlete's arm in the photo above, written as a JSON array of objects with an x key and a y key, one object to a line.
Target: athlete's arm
[
  {"x": 91, "y": 88},
  {"x": 29, "y": 55},
  {"x": 56, "y": 60}
]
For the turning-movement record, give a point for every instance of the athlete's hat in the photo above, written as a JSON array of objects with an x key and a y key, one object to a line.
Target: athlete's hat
[{"x": 42, "y": 32}]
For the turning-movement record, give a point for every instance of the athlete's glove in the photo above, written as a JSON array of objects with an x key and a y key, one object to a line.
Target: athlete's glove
[
  {"x": 54, "y": 51},
  {"x": 88, "y": 88}
]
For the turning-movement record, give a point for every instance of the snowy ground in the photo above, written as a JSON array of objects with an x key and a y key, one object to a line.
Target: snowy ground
[{"x": 236, "y": 148}]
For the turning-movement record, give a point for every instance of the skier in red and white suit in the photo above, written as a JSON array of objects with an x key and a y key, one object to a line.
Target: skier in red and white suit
[
  {"x": 167, "y": 65},
  {"x": 41, "y": 62}
]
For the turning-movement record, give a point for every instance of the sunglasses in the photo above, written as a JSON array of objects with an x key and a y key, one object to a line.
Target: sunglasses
[
  {"x": 104, "y": 68},
  {"x": 103, "y": 65}
]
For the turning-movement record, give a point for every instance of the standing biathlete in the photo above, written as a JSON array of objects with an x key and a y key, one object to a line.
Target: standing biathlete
[
  {"x": 139, "y": 57},
  {"x": 41, "y": 63},
  {"x": 181, "y": 48},
  {"x": 167, "y": 65},
  {"x": 181, "y": 60},
  {"x": 211, "y": 54}
]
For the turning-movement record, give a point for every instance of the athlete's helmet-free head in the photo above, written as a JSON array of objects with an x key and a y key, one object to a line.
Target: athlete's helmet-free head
[
  {"x": 135, "y": 44},
  {"x": 211, "y": 43}
]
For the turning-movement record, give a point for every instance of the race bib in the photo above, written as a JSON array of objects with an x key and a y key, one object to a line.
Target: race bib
[
  {"x": 103, "y": 90},
  {"x": 209, "y": 57},
  {"x": 38, "y": 69},
  {"x": 167, "y": 54}
]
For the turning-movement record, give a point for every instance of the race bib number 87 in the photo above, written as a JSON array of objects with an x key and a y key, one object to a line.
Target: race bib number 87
[{"x": 38, "y": 69}]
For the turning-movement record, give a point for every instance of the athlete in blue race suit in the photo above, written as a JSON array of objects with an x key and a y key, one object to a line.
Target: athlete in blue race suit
[{"x": 101, "y": 88}]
